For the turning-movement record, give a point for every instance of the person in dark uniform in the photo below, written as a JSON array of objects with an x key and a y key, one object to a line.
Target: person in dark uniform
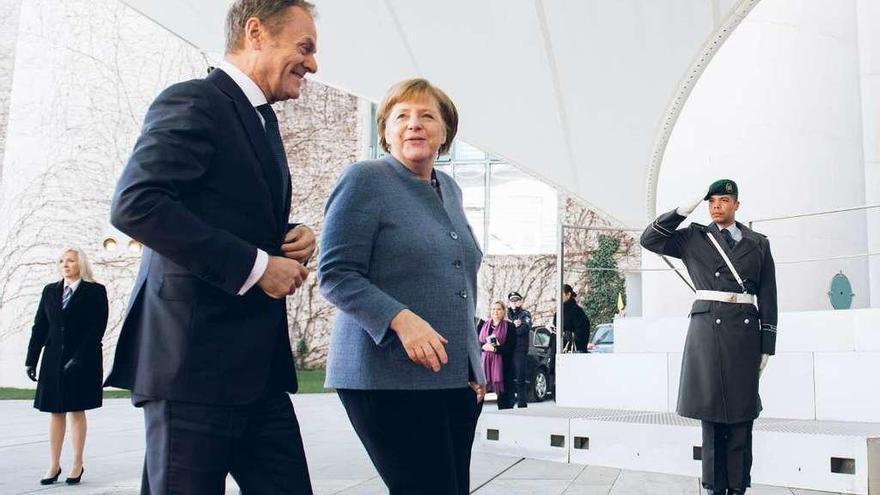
[
  {"x": 729, "y": 339},
  {"x": 499, "y": 341},
  {"x": 576, "y": 323},
  {"x": 522, "y": 322},
  {"x": 68, "y": 329}
]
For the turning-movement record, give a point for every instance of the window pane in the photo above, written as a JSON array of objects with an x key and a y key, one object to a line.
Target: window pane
[
  {"x": 472, "y": 181},
  {"x": 522, "y": 215},
  {"x": 444, "y": 168},
  {"x": 476, "y": 217},
  {"x": 542, "y": 339},
  {"x": 466, "y": 152}
]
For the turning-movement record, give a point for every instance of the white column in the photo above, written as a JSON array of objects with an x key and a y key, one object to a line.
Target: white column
[{"x": 869, "y": 60}]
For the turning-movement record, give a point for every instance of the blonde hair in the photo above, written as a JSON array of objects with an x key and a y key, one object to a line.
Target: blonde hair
[
  {"x": 82, "y": 262},
  {"x": 412, "y": 89}
]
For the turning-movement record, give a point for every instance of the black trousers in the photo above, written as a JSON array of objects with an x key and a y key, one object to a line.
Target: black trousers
[
  {"x": 727, "y": 456},
  {"x": 520, "y": 361},
  {"x": 419, "y": 440},
  {"x": 192, "y": 447}
]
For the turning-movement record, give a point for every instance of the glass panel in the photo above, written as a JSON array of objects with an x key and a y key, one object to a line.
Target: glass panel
[
  {"x": 472, "y": 181},
  {"x": 466, "y": 152},
  {"x": 476, "y": 217},
  {"x": 444, "y": 168},
  {"x": 523, "y": 213},
  {"x": 542, "y": 339}
]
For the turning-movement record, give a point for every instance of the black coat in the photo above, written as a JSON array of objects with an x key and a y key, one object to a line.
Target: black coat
[
  {"x": 576, "y": 323},
  {"x": 523, "y": 330},
  {"x": 202, "y": 192},
  {"x": 719, "y": 371},
  {"x": 74, "y": 332}
]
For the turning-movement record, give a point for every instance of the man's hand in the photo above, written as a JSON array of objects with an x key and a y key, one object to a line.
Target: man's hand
[
  {"x": 764, "y": 359},
  {"x": 488, "y": 347},
  {"x": 422, "y": 343},
  {"x": 517, "y": 323},
  {"x": 689, "y": 207},
  {"x": 282, "y": 277},
  {"x": 299, "y": 244},
  {"x": 31, "y": 372},
  {"x": 478, "y": 389}
]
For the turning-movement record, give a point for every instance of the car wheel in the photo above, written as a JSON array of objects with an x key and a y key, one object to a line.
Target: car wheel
[{"x": 540, "y": 386}]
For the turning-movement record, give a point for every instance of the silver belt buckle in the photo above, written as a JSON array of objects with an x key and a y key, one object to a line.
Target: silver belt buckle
[{"x": 731, "y": 298}]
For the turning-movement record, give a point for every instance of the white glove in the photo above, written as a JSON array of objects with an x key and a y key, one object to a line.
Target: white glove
[
  {"x": 688, "y": 208},
  {"x": 764, "y": 359}
]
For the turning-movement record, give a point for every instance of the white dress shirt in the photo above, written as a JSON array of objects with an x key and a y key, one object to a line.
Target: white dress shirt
[
  {"x": 72, "y": 286},
  {"x": 734, "y": 231}
]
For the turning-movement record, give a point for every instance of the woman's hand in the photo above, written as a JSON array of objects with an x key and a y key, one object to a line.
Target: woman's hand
[
  {"x": 422, "y": 343},
  {"x": 478, "y": 389},
  {"x": 488, "y": 347}
]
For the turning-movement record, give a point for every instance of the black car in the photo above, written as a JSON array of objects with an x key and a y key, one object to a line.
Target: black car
[{"x": 541, "y": 363}]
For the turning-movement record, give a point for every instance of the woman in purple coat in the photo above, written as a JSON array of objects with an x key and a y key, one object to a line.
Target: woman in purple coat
[{"x": 498, "y": 338}]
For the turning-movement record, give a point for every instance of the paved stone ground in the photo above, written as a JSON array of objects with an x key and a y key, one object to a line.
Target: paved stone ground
[{"x": 337, "y": 461}]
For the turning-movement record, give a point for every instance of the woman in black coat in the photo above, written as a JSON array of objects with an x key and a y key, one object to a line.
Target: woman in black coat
[
  {"x": 576, "y": 324},
  {"x": 68, "y": 328}
]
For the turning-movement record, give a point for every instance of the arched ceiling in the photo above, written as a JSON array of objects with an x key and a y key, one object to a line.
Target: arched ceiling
[{"x": 581, "y": 93}]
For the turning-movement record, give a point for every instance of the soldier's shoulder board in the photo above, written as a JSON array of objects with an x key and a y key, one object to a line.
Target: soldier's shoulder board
[{"x": 698, "y": 226}]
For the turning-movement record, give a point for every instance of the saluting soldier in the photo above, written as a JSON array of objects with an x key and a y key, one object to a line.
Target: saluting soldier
[{"x": 729, "y": 339}]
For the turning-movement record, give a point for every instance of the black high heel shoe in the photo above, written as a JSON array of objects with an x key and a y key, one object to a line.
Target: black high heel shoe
[
  {"x": 53, "y": 479},
  {"x": 73, "y": 481}
]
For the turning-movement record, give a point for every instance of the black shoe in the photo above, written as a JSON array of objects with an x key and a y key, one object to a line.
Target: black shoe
[
  {"x": 73, "y": 481},
  {"x": 53, "y": 479},
  {"x": 736, "y": 492}
]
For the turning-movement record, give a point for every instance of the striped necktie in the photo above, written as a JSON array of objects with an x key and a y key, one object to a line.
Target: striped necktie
[{"x": 65, "y": 298}]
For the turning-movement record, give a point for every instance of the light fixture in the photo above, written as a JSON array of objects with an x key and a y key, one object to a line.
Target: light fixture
[
  {"x": 134, "y": 246},
  {"x": 109, "y": 244}
]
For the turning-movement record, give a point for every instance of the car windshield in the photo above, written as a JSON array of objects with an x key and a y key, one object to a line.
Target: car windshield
[{"x": 604, "y": 335}]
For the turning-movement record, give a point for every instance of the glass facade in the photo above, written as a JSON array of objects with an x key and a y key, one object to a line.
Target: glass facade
[{"x": 511, "y": 212}]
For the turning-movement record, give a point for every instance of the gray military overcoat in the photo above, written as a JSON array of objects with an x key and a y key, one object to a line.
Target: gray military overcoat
[{"x": 719, "y": 371}]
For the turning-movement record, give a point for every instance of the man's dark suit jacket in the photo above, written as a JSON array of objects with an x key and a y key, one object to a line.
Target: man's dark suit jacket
[{"x": 201, "y": 192}]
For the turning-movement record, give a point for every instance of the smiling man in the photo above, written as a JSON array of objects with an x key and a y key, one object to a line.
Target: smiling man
[
  {"x": 204, "y": 347},
  {"x": 729, "y": 339}
]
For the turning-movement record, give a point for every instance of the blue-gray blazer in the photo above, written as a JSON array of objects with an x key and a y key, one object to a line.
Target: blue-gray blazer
[{"x": 389, "y": 243}]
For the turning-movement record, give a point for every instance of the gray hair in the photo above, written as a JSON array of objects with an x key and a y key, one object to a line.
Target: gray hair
[
  {"x": 270, "y": 12},
  {"x": 82, "y": 261}
]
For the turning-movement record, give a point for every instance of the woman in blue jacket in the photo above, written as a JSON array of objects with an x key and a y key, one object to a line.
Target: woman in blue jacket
[{"x": 399, "y": 261}]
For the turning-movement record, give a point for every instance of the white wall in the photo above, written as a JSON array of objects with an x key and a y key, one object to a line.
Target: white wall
[
  {"x": 825, "y": 363},
  {"x": 869, "y": 57},
  {"x": 779, "y": 111},
  {"x": 84, "y": 73}
]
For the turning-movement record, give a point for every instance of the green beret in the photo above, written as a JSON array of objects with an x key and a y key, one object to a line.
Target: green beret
[{"x": 721, "y": 187}]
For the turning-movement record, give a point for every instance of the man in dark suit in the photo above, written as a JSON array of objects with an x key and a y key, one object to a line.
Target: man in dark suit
[
  {"x": 729, "y": 339},
  {"x": 204, "y": 347}
]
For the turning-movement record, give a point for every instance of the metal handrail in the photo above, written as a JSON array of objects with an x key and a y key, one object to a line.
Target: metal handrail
[{"x": 816, "y": 213}]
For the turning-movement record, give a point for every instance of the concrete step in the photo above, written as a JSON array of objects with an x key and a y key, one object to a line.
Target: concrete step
[{"x": 832, "y": 456}]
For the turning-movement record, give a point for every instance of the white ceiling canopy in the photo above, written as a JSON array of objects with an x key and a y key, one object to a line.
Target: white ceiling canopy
[{"x": 582, "y": 93}]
